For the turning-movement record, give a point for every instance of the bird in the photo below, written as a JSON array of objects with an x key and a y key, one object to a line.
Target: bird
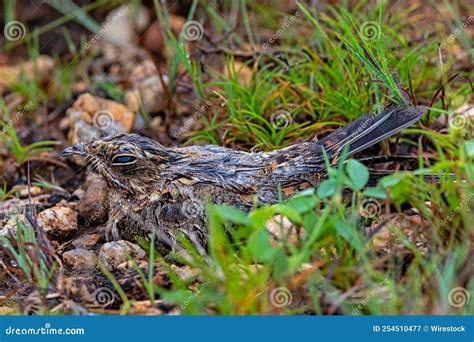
[{"x": 162, "y": 192}]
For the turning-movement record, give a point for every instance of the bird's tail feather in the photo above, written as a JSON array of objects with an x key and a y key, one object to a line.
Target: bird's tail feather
[{"x": 370, "y": 129}]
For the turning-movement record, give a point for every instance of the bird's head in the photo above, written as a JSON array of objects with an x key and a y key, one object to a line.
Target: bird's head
[{"x": 126, "y": 161}]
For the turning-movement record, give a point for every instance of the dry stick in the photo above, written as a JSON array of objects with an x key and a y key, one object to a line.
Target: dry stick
[
  {"x": 44, "y": 244},
  {"x": 30, "y": 215},
  {"x": 410, "y": 86},
  {"x": 160, "y": 74},
  {"x": 433, "y": 99},
  {"x": 168, "y": 95}
]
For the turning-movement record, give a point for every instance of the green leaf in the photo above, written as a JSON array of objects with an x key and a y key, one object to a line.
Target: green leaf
[
  {"x": 261, "y": 215},
  {"x": 302, "y": 204},
  {"x": 292, "y": 214},
  {"x": 234, "y": 215},
  {"x": 358, "y": 173},
  {"x": 390, "y": 181},
  {"x": 350, "y": 235},
  {"x": 327, "y": 188},
  {"x": 280, "y": 263},
  {"x": 469, "y": 148},
  {"x": 260, "y": 247},
  {"x": 375, "y": 193}
]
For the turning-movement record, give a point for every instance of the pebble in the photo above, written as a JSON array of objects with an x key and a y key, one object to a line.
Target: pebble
[
  {"x": 93, "y": 203},
  {"x": 92, "y": 117},
  {"x": 122, "y": 24},
  {"x": 22, "y": 190},
  {"x": 80, "y": 259},
  {"x": 59, "y": 222},
  {"x": 86, "y": 241},
  {"x": 112, "y": 254},
  {"x": 10, "y": 227},
  {"x": 42, "y": 64},
  {"x": 148, "y": 93}
]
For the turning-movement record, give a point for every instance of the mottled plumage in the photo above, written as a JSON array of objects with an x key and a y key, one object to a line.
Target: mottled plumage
[{"x": 167, "y": 188}]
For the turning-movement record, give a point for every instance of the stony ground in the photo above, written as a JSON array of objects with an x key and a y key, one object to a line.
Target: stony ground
[{"x": 178, "y": 82}]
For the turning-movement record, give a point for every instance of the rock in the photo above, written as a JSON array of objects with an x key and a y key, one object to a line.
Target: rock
[
  {"x": 242, "y": 71},
  {"x": 153, "y": 38},
  {"x": 131, "y": 264},
  {"x": 177, "y": 22},
  {"x": 112, "y": 254},
  {"x": 80, "y": 259},
  {"x": 92, "y": 206},
  {"x": 10, "y": 228},
  {"x": 141, "y": 71},
  {"x": 81, "y": 131},
  {"x": 87, "y": 103},
  {"x": 59, "y": 222},
  {"x": 122, "y": 24},
  {"x": 22, "y": 190},
  {"x": 146, "y": 307},
  {"x": 146, "y": 87},
  {"x": 92, "y": 117},
  {"x": 10, "y": 74},
  {"x": 74, "y": 116},
  {"x": 467, "y": 110},
  {"x": 86, "y": 241},
  {"x": 186, "y": 273},
  {"x": 121, "y": 113},
  {"x": 149, "y": 93},
  {"x": 461, "y": 118},
  {"x": 156, "y": 124},
  {"x": 79, "y": 193},
  {"x": 281, "y": 228}
]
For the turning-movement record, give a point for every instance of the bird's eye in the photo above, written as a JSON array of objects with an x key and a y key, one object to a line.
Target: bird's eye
[{"x": 123, "y": 159}]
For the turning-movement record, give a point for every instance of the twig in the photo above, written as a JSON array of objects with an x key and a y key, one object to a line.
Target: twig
[
  {"x": 433, "y": 99},
  {"x": 30, "y": 215}
]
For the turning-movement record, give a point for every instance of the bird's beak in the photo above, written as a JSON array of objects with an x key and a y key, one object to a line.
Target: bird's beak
[{"x": 77, "y": 149}]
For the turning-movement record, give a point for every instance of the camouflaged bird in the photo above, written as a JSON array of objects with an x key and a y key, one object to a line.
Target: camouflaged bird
[{"x": 152, "y": 186}]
